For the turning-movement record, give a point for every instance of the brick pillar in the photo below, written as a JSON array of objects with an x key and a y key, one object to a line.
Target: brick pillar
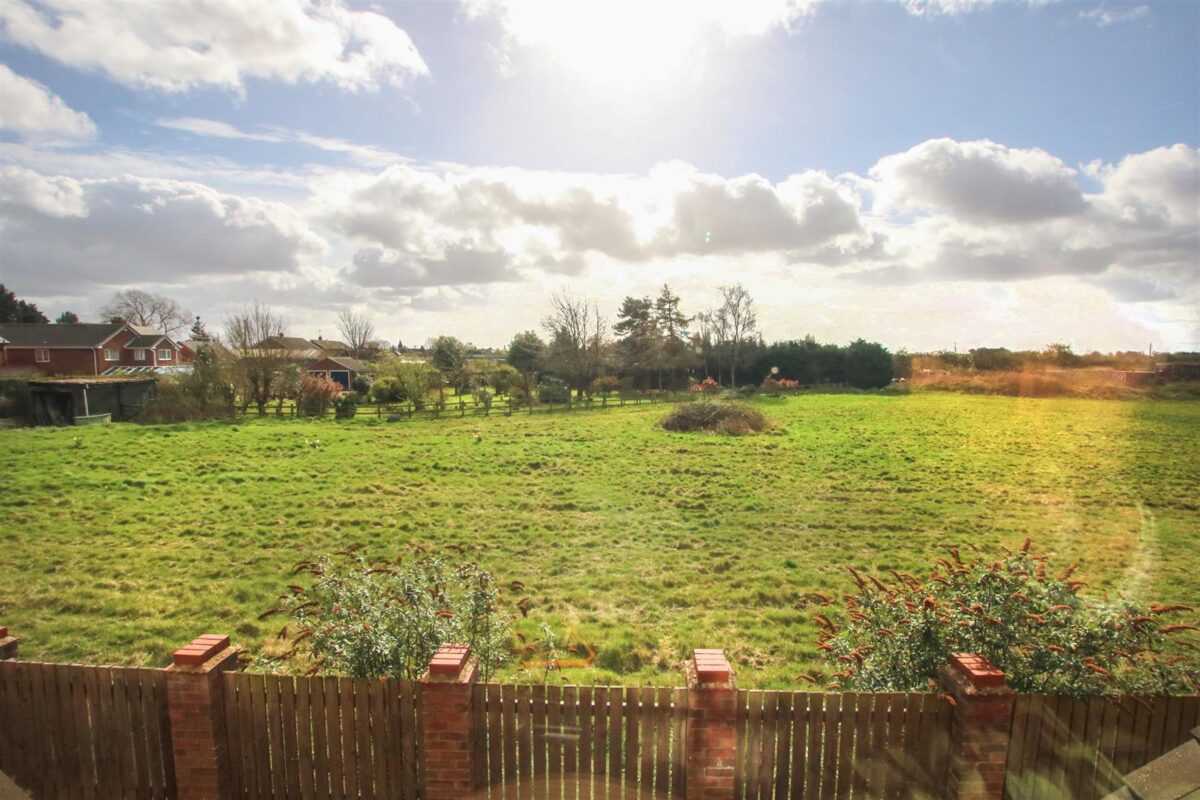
[
  {"x": 711, "y": 726},
  {"x": 196, "y": 708},
  {"x": 8, "y": 645},
  {"x": 446, "y": 734},
  {"x": 982, "y": 718}
]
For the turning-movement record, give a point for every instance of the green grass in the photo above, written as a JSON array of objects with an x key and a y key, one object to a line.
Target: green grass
[{"x": 640, "y": 542}]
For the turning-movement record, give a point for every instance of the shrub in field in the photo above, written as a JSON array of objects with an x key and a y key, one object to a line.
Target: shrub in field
[
  {"x": 316, "y": 394},
  {"x": 345, "y": 406},
  {"x": 187, "y": 398},
  {"x": 778, "y": 384},
  {"x": 606, "y": 385},
  {"x": 868, "y": 365},
  {"x": 386, "y": 618},
  {"x": 362, "y": 385},
  {"x": 387, "y": 389},
  {"x": 735, "y": 419},
  {"x": 706, "y": 386},
  {"x": 553, "y": 390},
  {"x": 898, "y": 631}
]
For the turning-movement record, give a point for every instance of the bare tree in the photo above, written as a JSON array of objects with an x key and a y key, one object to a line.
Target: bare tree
[
  {"x": 357, "y": 331},
  {"x": 736, "y": 323},
  {"x": 150, "y": 310},
  {"x": 258, "y": 367},
  {"x": 577, "y": 339}
]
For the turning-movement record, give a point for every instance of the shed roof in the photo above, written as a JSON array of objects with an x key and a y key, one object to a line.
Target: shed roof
[{"x": 352, "y": 364}]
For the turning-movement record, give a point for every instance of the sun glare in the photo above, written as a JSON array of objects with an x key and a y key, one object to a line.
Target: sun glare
[{"x": 627, "y": 44}]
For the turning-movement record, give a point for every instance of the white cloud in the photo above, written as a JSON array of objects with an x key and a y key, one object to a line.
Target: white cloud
[
  {"x": 65, "y": 234},
  {"x": 176, "y": 46},
  {"x": 555, "y": 222},
  {"x": 953, "y": 8},
  {"x": 28, "y": 107},
  {"x": 978, "y": 181},
  {"x": 367, "y": 155},
  {"x": 1104, "y": 17}
]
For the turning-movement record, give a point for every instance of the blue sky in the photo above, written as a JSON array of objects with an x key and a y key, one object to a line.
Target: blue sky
[{"x": 987, "y": 173}]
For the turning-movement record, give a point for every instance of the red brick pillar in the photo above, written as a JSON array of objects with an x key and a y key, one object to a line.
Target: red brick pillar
[
  {"x": 983, "y": 706},
  {"x": 711, "y": 726},
  {"x": 196, "y": 708},
  {"x": 446, "y": 734},
  {"x": 8, "y": 645}
]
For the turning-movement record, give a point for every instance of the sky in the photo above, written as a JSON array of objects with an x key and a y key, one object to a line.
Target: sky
[{"x": 929, "y": 174}]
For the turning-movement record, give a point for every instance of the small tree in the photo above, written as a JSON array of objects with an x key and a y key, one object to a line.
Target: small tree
[
  {"x": 899, "y": 630},
  {"x": 868, "y": 365},
  {"x": 67, "y": 318},
  {"x": 357, "y": 330},
  {"x": 386, "y": 618},
  {"x": 245, "y": 330},
  {"x": 315, "y": 395}
]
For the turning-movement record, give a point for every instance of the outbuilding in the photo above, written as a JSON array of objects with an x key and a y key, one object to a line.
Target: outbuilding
[
  {"x": 340, "y": 370},
  {"x": 83, "y": 401}
]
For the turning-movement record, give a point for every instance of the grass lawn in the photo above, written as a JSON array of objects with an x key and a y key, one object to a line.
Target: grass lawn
[{"x": 119, "y": 543}]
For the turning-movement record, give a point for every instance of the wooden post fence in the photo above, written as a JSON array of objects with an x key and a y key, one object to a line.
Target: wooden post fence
[{"x": 199, "y": 730}]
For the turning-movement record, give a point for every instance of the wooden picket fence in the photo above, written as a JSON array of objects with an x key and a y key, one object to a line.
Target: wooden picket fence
[
  {"x": 321, "y": 737},
  {"x": 808, "y": 746},
  {"x": 69, "y": 731},
  {"x": 85, "y": 732},
  {"x": 1060, "y": 747},
  {"x": 577, "y": 742}
]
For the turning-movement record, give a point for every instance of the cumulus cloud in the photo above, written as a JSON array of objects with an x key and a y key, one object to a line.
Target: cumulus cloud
[
  {"x": 981, "y": 182},
  {"x": 176, "y": 46},
  {"x": 1138, "y": 236},
  {"x": 28, "y": 107},
  {"x": 414, "y": 216},
  {"x": 61, "y": 233}
]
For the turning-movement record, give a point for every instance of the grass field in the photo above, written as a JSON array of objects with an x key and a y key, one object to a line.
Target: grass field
[{"x": 119, "y": 543}]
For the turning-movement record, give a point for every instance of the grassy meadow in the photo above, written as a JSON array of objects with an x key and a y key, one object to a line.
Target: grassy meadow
[{"x": 119, "y": 543}]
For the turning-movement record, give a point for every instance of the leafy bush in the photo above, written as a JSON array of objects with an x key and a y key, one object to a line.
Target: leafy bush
[
  {"x": 484, "y": 398},
  {"x": 778, "y": 384},
  {"x": 362, "y": 385},
  {"x": 706, "y": 386},
  {"x": 346, "y": 406},
  {"x": 735, "y": 419},
  {"x": 387, "y": 618},
  {"x": 553, "y": 390},
  {"x": 188, "y": 398},
  {"x": 606, "y": 385},
  {"x": 898, "y": 631},
  {"x": 315, "y": 395},
  {"x": 387, "y": 389}
]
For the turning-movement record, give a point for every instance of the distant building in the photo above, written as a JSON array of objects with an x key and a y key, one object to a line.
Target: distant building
[
  {"x": 341, "y": 371},
  {"x": 85, "y": 349}
]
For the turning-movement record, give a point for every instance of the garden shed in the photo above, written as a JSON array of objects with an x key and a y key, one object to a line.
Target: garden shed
[
  {"x": 341, "y": 370},
  {"x": 81, "y": 401}
]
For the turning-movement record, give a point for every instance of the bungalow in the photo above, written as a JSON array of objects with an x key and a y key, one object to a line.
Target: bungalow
[
  {"x": 296, "y": 348},
  {"x": 85, "y": 349},
  {"x": 342, "y": 371}
]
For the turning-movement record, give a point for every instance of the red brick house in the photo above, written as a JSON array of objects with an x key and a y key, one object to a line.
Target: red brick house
[{"x": 85, "y": 349}]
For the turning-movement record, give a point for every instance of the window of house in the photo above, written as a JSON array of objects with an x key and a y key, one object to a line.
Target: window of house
[
  {"x": 112, "y": 355},
  {"x": 139, "y": 355},
  {"x": 41, "y": 355},
  {"x": 164, "y": 354}
]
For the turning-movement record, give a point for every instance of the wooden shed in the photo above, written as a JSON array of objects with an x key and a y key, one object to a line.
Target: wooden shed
[{"x": 80, "y": 401}]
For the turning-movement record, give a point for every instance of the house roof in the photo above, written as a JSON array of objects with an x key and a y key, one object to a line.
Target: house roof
[
  {"x": 286, "y": 343},
  {"x": 38, "y": 334},
  {"x": 330, "y": 344},
  {"x": 145, "y": 340},
  {"x": 352, "y": 364}
]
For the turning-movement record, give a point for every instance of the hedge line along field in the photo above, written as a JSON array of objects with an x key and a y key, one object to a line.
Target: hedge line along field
[{"x": 120, "y": 543}]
